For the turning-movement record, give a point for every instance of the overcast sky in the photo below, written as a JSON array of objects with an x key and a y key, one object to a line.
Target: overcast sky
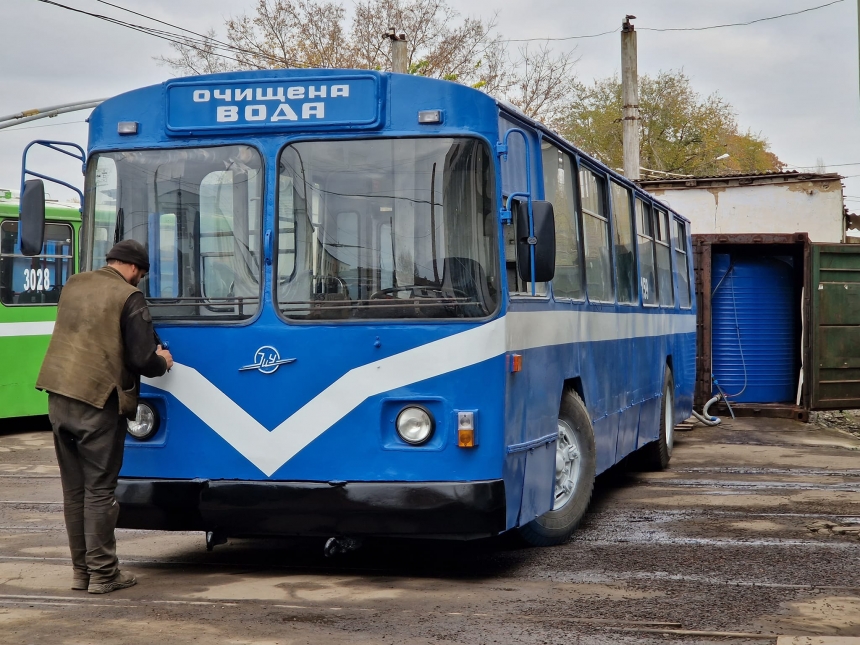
[{"x": 794, "y": 80}]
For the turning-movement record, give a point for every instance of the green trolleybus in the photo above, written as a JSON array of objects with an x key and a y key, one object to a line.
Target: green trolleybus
[{"x": 29, "y": 290}]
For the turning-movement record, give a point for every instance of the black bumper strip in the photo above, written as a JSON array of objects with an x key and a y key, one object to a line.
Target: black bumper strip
[{"x": 434, "y": 509}]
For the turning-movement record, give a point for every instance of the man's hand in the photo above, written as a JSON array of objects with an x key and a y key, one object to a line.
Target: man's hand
[{"x": 165, "y": 354}]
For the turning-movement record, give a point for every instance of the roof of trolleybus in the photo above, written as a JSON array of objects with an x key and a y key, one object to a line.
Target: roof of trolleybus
[
  {"x": 355, "y": 103},
  {"x": 54, "y": 210},
  {"x": 279, "y": 103}
]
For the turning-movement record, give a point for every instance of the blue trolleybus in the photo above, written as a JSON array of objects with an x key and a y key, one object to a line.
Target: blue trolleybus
[{"x": 398, "y": 307}]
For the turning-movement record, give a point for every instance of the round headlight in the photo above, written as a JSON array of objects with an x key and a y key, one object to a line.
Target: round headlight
[
  {"x": 414, "y": 425},
  {"x": 145, "y": 422}
]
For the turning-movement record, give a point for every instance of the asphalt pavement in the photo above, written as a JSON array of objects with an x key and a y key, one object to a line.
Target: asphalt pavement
[{"x": 751, "y": 536}]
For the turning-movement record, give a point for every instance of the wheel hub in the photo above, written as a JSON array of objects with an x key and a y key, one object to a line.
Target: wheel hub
[{"x": 568, "y": 464}]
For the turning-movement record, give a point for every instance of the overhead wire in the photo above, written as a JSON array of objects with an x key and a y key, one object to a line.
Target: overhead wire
[
  {"x": 665, "y": 29},
  {"x": 209, "y": 41},
  {"x": 199, "y": 43},
  {"x": 827, "y": 165},
  {"x": 45, "y": 125},
  {"x": 742, "y": 24},
  {"x": 528, "y": 40}
]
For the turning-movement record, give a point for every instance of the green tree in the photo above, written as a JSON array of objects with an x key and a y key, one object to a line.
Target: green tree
[{"x": 681, "y": 131}]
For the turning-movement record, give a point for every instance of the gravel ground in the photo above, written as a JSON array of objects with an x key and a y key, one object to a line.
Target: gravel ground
[
  {"x": 752, "y": 530},
  {"x": 847, "y": 420}
]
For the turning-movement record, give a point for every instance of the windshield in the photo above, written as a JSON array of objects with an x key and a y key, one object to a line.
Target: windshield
[
  {"x": 197, "y": 211},
  {"x": 387, "y": 228}
]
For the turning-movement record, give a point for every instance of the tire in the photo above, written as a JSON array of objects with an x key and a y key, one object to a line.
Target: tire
[
  {"x": 656, "y": 455},
  {"x": 577, "y": 470}
]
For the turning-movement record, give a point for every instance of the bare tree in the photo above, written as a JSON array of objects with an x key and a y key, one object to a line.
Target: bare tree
[
  {"x": 291, "y": 33},
  {"x": 315, "y": 33},
  {"x": 201, "y": 56},
  {"x": 543, "y": 82}
]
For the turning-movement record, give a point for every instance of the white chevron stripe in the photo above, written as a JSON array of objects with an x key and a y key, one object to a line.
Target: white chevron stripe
[
  {"x": 27, "y": 329},
  {"x": 268, "y": 451}
]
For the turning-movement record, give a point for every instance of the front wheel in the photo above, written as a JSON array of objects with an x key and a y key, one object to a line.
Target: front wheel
[{"x": 575, "y": 465}]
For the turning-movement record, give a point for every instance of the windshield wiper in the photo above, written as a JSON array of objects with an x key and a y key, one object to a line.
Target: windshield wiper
[{"x": 117, "y": 230}]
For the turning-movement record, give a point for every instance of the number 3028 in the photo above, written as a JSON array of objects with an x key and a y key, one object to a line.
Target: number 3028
[{"x": 37, "y": 280}]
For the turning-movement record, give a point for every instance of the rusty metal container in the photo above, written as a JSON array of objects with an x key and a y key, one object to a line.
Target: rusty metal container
[
  {"x": 824, "y": 328},
  {"x": 793, "y": 301}
]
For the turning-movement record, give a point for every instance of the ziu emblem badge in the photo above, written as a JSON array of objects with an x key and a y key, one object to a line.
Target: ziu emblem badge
[{"x": 267, "y": 360}]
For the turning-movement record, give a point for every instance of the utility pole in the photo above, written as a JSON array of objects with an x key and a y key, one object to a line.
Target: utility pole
[
  {"x": 630, "y": 99},
  {"x": 399, "y": 56}
]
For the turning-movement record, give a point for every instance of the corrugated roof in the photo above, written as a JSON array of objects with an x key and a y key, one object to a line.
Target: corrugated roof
[{"x": 786, "y": 175}]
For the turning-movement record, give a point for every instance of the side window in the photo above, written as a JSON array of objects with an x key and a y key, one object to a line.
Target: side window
[
  {"x": 595, "y": 218},
  {"x": 558, "y": 182},
  {"x": 647, "y": 270},
  {"x": 514, "y": 180},
  {"x": 34, "y": 280},
  {"x": 625, "y": 258},
  {"x": 681, "y": 263},
  {"x": 664, "y": 262}
]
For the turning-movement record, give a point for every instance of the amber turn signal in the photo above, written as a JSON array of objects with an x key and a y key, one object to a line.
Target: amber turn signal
[
  {"x": 466, "y": 438},
  {"x": 466, "y": 429}
]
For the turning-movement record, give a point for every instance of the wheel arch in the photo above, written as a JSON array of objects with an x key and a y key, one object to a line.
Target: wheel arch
[{"x": 574, "y": 383}]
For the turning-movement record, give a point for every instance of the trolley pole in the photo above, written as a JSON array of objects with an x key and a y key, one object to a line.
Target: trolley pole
[
  {"x": 630, "y": 99},
  {"x": 399, "y": 55}
]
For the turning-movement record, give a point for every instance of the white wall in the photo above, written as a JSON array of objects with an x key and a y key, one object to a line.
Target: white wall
[{"x": 812, "y": 207}]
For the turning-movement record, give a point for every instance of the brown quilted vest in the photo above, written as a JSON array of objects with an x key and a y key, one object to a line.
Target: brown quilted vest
[{"x": 85, "y": 359}]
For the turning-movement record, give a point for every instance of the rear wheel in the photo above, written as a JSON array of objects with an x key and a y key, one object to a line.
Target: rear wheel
[
  {"x": 575, "y": 465},
  {"x": 656, "y": 455}
]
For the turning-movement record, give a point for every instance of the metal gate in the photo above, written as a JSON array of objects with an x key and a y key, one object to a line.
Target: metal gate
[{"x": 835, "y": 326}]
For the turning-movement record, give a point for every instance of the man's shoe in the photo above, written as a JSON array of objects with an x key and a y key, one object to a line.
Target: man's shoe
[
  {"x": 121, "y": 580},
  {"x": 80, "y": 582}
]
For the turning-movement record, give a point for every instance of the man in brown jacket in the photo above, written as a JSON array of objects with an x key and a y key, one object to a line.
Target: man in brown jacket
[{"x": 103, "y": 342}]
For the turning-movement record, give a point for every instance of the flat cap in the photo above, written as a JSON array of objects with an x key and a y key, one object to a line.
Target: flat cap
[{"x": 130, "y": 251}]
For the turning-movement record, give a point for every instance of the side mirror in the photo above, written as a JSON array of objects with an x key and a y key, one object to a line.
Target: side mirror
[
  {"x": 544, "y": 241},
  {"x": 32, "y": 219}
]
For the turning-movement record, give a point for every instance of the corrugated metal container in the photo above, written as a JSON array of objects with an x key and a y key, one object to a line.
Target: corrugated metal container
[
  {"x": 824, "y": 313},
  {"x": 753, "y": 320},
  {"x": 706, "y": 248}
]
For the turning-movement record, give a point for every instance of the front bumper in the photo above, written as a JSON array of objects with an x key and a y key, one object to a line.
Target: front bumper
[{"x": 461, "y": 510}]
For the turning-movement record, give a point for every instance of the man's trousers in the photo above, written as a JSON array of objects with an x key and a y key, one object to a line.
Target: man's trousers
[{"x": 89, "y": 444}]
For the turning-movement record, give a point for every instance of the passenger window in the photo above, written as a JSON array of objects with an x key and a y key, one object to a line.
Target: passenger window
[
  {"x": 386, "y": 257},
  {"x": 625, "y": 259},
  {"x": 647, "y": 271},
  {"x": 107, "y": 228},
  {"x": 516, "y": 286},
  {"x": 163, "y": 278},
  {"x": 681, "y": 264},
  {"x": 36, "y": 280},
  {"x": 664, "y": 262},
  {"x": 286, "y": 230},
  {"x": 598, "y": 272},
  {"x": 228, "y": 267},
  {"x": 558, "y": 181}
]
